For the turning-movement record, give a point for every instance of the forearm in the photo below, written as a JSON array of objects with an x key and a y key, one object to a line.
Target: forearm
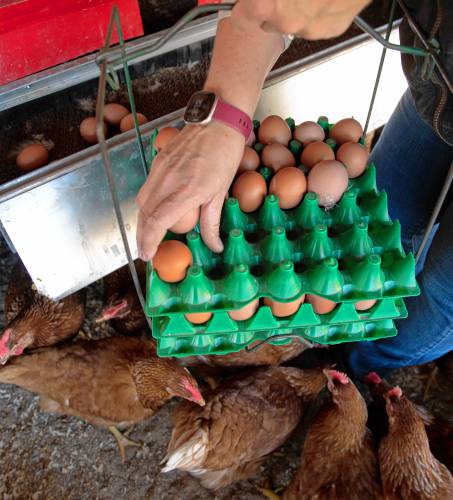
[{"x": 240, "y": 64}]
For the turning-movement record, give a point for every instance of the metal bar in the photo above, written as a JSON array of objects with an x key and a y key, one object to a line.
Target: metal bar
[
  {"x": 322, "y": 56},
  {"x": 85, "y": 68},
  {"x": 435, "y": 214},
  {"x": 117, "y": 55},
  {"x": 106, "y": 160},
  {"x": 364, "y": 26},
  {"x": 381, "y": 65}
]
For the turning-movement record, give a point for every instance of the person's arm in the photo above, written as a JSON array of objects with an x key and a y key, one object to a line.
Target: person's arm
[{"x": 198, "y": 167}]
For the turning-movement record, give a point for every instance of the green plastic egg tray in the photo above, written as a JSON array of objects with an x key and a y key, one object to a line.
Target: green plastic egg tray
[
  {"x": 350, "y": 253},
  {"x": 263, "y": 319},
  {"x": 223, "y": 343}
]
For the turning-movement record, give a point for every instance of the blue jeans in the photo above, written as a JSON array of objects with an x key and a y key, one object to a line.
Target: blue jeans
[{"x": 412, "y": 163}]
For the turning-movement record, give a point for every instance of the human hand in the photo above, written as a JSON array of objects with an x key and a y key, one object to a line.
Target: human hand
[
  {"x": 195, "y": 171},
  {"x": 309, "y": 19}
]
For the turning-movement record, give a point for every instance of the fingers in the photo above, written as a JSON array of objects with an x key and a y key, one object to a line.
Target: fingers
[
  {"x": 210, "y": 223},
  {"x": 153, "y": 223}
]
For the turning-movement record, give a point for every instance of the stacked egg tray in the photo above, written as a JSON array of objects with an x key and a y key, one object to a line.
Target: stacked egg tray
[{"x": 350, "y": 253}]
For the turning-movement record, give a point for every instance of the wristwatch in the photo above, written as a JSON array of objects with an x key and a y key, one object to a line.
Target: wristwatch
[{"x": 206, "y": 106}]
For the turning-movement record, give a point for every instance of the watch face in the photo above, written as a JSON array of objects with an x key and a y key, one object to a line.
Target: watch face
[{"x": 199, "y": 107}]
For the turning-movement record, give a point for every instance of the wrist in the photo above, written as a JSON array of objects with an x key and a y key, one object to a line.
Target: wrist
[
  {"x": 206, "y": 106},
  {"x": 245, "y": 103}
]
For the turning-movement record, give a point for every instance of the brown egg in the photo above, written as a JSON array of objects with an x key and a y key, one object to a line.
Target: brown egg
[
  {"x": 31, "y": 157},
  {"x": 276, "y": 156},
  {"x": 329, "y": 180},
  {"x": 127, "y": 123},
  {"x": 354, "y": 157},
  {"x": 88, "y": 130},
  {"x": 172, "y": 260},
  {"x": 320, "y": 304},
  {"x": 250, "y": 160},
  {"x": 289, "y": 185},
  {"x": 187, "y": 223},
  {"x": 250, "y": 190},
  {"x": 274, "y": 129},
  {"x": 316, "y": 152},
  {"x": 165, "y": 136},
  {"x": 284, "y": 309},
  {"x": 245, "y": 312},
  {"x": 198, "y": 318},
  {"x": 346, "y": 130},
  {"x": 363, "y": 305},
  {"x": 308, "y": 132},
  {"x": 114, "y": 113}
]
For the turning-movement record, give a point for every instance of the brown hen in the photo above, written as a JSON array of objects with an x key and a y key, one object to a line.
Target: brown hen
[
  {"x": 111, "y": 382},
  {"x": 439, "y": 428},
  {"x": 122, "y": 305},
  {"x": 408, "y": 468},
  {"x": 244, "y": 420},
  {"x": 34, "y": 320},
  {"x": 338, "y": 459}
]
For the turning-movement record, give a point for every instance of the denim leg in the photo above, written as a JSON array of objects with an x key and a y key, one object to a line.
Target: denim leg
[
  {"x": 427, "y": 334},
  {"x": 412, "y": 163}
]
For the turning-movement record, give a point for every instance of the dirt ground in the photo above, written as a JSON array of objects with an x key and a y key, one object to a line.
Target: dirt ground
[{"x": 46, "y": 456}]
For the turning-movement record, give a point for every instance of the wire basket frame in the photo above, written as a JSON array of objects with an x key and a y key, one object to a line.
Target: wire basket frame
[{"x": 111, "y": 58}]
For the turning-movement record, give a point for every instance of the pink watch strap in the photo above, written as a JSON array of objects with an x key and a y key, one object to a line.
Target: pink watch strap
[{"x": 233, "y": 116}]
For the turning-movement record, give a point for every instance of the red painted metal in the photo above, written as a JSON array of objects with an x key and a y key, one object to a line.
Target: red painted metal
[{"x": 38, "y": 34}]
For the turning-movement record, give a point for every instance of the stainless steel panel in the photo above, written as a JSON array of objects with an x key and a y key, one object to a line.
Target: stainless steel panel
[
  {"x": 60, "y": 218},
  {"x": 62, "y": 221}
]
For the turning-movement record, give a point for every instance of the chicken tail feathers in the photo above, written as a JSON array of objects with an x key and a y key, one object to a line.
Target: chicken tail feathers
[{"x": 187, "y": 451}]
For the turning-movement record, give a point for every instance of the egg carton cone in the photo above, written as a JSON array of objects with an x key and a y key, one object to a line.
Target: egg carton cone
[
  {"x": 225, "y": 343},
  {"x": 263, "y": 319}
]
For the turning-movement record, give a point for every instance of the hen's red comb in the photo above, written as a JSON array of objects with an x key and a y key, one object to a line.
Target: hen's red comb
[
  {"x": 340, "y": 376},
  {"x": 395, "y": 392},
  {"x": 373, "y": 378},
  {"x": 3, "y": 341}
]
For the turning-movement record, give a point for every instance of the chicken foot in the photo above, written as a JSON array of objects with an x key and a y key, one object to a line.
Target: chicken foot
[
  {"x": 123, "y": 441},
  {"x": 268, "y": 492}
]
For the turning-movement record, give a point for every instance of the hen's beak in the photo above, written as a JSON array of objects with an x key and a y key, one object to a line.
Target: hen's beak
[
  {"x": 112, "y": 311},
  {"x": 4, "y": 359},
  {"x": 194, "y": 393},
  {"x": 196, "y": 397},
  {"x": 200, "y": 401}
]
